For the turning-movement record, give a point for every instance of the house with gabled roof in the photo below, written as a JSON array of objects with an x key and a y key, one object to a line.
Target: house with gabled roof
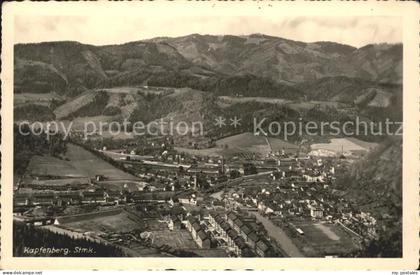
[
  {"x": 245, "y": 231},
  {"x": 247, "y": 252},
  {"x": 252, "y": 239},
  {"x": 203, "y": 239},
  {"x": 21, "y": 199},
  {"x": 94, "y": 197},
  {"x": 194, "y": 229},
  {"x": 43, "y": 198},
  {"x": 68, "y": 198},
  {"x": 261, "y": 248},
  {"x": 237, "y": 224}
]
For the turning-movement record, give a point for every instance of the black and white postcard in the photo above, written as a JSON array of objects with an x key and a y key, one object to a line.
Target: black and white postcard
[{"x": 210, "y": 135}]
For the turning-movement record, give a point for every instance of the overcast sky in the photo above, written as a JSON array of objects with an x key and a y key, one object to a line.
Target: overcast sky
[{"x": 96, "y": 30}]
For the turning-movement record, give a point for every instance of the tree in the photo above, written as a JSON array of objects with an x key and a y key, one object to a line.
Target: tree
[
  {"x": 181, "y": 170},
  {"x": 249, "y": 169},
  {"x": 234, "y": 174}
]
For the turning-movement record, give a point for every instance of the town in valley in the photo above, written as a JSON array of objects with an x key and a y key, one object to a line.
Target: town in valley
[{"x": 230, "y": 192}]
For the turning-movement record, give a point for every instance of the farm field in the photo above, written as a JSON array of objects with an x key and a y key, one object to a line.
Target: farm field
[
  {"x": 51, "y": 166},
  {"x": 118, "y": 185},
  {"x": 33, "y": 98},
  {"x": 255, "y": 144},
  {"x": 233, "y": 99},
  {"x": 72, "y": 106},
  {"x": 119, "y": 98},
  {"x": 212, "y": 152},
  {"x": 381, "y": 99},
  {"x": 91, "y": 165},
  {"x": 121, "y": 222},
  {"x": 302, "y": 106},
  {"x": 119, "y": 155},
  {"x": 121, "y": 90},
  {"x": 324, "y": 239},
  {"x": 71, "y": 233},
  {"x": 178, "y": 239},
  {"x": 80, "y": 166},
  {"x": 345, "y": 144},
  {"x": 244, "y": 144},
  {"x": 139, "y": 90},
  {"x": 364, "y": 144}
]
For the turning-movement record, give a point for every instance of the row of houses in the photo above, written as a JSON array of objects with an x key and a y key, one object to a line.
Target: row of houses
[
  {"x": 198, "y": 232},
  {"x": 234, "y": 241},
  {"x": 251, "y": 232},
  {"x": 96, "y": 196},
  {"x": 58, "y": 184},
  {"x": 306, "y": 201},
  {"x": 242, "y": 233},
  {"x": 289, "y": 207},
  {"x": 68, "y": 198}
]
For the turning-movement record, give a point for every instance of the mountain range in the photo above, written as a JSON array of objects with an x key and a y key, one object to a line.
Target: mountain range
[
  {"x": 51, "y": 76},
  {"x": 205, "y": 56},
  {"x": 202, "y": 77}
]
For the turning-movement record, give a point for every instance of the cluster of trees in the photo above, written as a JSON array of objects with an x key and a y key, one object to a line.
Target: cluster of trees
[
  {"x": 250, "y": 169},
  {"x": 37, "y": 78},
  {"x": 112, "y": 111},
  {"x": 26, "y": 237},
  {"x": 376, "y": 183},
  {"x": 33, "y": 111},
  {"x": 26, "y": 146},
  {"x": 95, "y": 107},
  {"x": 388, "y": 245},
  {"x": 251, "y": 85}
]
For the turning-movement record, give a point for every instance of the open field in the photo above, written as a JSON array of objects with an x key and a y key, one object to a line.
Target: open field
[
  {"x": 242, "y": 144},
  {"x": 139, "y": 90},
  {"x": 233, "y": 99},
  {"x": 119, "y": 155},
  {"x": 51, "y": 166},
  {"x": 122, "y": 222},
  {"x": 72, "y": 106},
  {"x": 178, "y": 239},
  {"x": 121, "y": 90},
  {"x": 211, "y": 152},
  {"x": 92, "y": 165},
  {"x": 255, "y": 144},
  {"x": 361, "y": 143},
  {"x": 123, "y": 98},
  {"x": 381, "y": 99},
  {"x": 345, "y": 144},
  {"x": 71, "y": 233},
  {"x": 80, "y": 166},
  {"x": 303, "y": 106},
  {"x": 324, "y": 239},
  {"x": 118, "y": 185},
  {"x": 32, "y": 98},
  {"x": 327, "y": 231}
]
